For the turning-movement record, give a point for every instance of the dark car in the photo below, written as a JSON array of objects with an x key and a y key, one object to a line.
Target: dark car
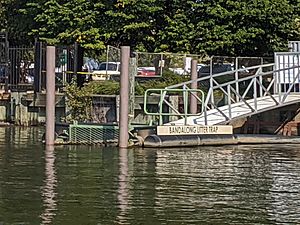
[{"x": 217, "y": 68}]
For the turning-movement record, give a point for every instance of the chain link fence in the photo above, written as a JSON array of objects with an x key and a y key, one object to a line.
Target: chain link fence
[{"x": 154, "y": 64}]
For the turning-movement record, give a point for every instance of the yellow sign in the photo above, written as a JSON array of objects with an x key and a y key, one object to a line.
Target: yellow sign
[{"x": 191, "y": 130}]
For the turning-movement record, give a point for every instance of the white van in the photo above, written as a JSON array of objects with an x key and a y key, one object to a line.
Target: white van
[{"x": 105, "y": 70}]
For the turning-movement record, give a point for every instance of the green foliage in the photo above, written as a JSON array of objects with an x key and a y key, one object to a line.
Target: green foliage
[
  {"x": 215, "y": 27},
  {"x": 113, "y": 87},
  {"x": 246, "y": 28},
  {"x": 14, "y": 22},
  {"x": 102, "y": 87},
  {"x": 80, "y": 99},
  {"x": 66, "y": 21},
  {"x": 79, "y": 102},
  {"x": 2, "y": 15}
]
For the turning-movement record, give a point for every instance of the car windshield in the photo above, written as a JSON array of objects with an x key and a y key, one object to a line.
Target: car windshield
[{"x": 108, "y": 66}]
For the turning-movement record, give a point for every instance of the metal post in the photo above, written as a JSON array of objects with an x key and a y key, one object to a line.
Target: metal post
[
  {"x": 50, "y": 96},
  {"x": 290, "y": 47},
  {"x": 37, "y": 66},
  {"x": 107, "y": 56},
  {"x": 229, "y": 101},
  {"x": 193, "y": 100},
  {"x": 7, "y": 68},
  {"x": 260, "y": 77},
  {"x": 211, "y": 83},
  {"x": 255, "y": 93},
  {"x": 161, "y": 64},
  {"x": 185, "y": 102},
  {"x": 124, "y": 97},
  {"x": 276, "y": 75},
  {"x": 132, "y": 74},
  {"x": 78, "y": 63},
  {"x": 237, "y": 78}
]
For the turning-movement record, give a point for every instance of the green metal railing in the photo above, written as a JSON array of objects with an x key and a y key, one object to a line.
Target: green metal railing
[
  {"x": 93, "y": 134},
  {"x": 164, "y": 99}
]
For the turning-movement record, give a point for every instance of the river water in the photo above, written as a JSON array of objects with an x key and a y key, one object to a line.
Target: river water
[{"x": 92, "y": 185}]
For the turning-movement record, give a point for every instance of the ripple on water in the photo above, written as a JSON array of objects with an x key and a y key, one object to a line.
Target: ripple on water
[{"x": 93, "y": 185}]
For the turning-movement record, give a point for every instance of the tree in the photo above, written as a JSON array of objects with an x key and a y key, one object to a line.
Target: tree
[
  {"x": 14, "y": 22},
  {"x": 245, "y": 28},
  {"x": 131, "y": 22},
  {"x": 174, "y": 26},
  {"x": 64, "y": 22},
  {"x": 3, "y": 18},
  {"x": 216, "y": 27}
]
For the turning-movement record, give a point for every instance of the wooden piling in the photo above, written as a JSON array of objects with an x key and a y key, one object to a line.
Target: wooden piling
[
  {"x": 194, "y": 85},
  {"x": 124, "y": 97},
  {"x": 50, "y": 96}
]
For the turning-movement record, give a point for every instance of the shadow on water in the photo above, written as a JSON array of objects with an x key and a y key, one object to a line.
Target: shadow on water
[{"x": 95, "y": 185}]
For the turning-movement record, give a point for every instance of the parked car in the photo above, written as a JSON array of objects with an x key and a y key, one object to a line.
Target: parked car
[
  {"x": 179, "y": 71},
  {"x": 200, "y": 65},
  {"x": 106, "y": 70},
  {"x": 217, "y": 68},
  {"x": 146, "y": 71}
]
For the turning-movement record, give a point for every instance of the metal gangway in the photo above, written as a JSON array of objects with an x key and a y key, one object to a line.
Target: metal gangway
[{"x": 231, "y": 95}]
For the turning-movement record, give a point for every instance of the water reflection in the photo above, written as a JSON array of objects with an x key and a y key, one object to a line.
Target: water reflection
[
  {"x": 283, "y": 194},
  {"x": 49, "y": 190},
  {"x": 228, "y": 185},
  {"x": 94, "y": 185},
  {"x": 123, "y": 194}
]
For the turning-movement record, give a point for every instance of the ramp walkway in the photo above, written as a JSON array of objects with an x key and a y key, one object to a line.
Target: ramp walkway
[
  {"x": 230, "y": 95},
  {"x": 225, "y": 114}
]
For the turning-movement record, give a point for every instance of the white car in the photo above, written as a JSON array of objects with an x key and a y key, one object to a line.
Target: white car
[
  {"x": 179, "y": 71},
  {"x": 106, "y": 70}
]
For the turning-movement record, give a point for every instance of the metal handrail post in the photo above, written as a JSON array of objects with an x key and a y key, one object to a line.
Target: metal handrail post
[
  {"x": 261, "y": 82},
  {"x": 237, "y": 77},
  {"x": 208, "y": 97},
  {"x": 185, "y": 104},
  {"x": 290, "y": 88},
  {"x": 255, "y": 94},
  {"x": 205, "y": 116},
  {"x": 229, "y": 101},
  {"x": 211, "y": 78},
  {"x": 277, "y": 80},
  {"x": 161, "y": 100}
]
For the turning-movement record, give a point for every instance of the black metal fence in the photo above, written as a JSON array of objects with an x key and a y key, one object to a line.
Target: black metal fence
[
  {"x": 64, "y": 66},
  {"x": 23, "y": 68},
  {"x": 4, "y": 59}
]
